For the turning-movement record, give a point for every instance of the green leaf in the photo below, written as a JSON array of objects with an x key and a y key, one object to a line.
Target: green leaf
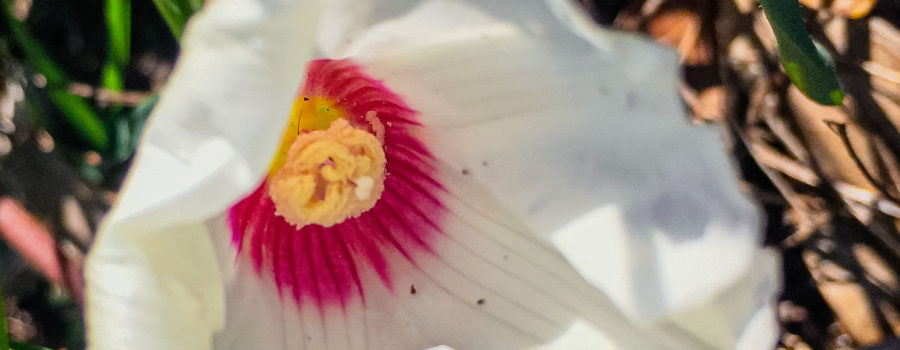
[
  {"x": 808, "y": 65},
  {"x": 76, "y": 110},
  {"x": 177, "y": 12},
  {"x": 82, "y": 117},
  {"x": 118, "y": 28},
  {"x": 127, "y": 127},
  {"x": 139, "y": 116},
  {"x": 37, "y": 58},
  {"x": 194, "y": 5}
]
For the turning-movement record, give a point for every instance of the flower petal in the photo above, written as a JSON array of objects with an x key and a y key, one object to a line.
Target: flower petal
[
  {"x": 219, "y": 118},
  {"x": 742, "y": 316},
  {"x": 153, "y": 292},
  {"x": 492, "y": 281},
  {"x": 431, "y": 230},
  {"x": 488, "y": 284},
  {"x": 590, "y": 147},
  {"x": 152, "y": 277},
  {"x": 354, "y": 28}
]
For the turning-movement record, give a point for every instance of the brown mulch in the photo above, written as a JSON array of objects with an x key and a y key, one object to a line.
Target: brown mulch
[{"x": 827, "y": 177}]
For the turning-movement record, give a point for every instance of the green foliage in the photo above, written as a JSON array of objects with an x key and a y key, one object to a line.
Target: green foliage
[
  {"x": 128, "y": 128},
  {"x": 111, "y": 130},
  {"x": 82, "y": 117},
  {"x": 808, "y": 65},
  {"x": 177, "y": 12},
  {"x": 118, "y": 26},
  {"x": 77, "y": 111}
]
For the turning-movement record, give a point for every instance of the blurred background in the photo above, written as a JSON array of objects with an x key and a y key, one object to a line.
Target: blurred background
[{"x": 78, "y": 79}]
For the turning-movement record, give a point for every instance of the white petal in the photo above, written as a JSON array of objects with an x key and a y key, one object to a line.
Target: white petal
[
  {"x": 152, "y": 277},
  {"x": 741, "y": 317},
  {"x": 491, "y": 285},
  {"x": 353, "y": 28},
  {"x": 153, "y": 292},
  {"x": 220, "y": 117},
  {"x": 590, "y": 147},
  {"x": 458, "y": 22}
]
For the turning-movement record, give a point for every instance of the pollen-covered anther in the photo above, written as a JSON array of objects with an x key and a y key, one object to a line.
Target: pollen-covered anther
[{"x": 329, "y": 176}]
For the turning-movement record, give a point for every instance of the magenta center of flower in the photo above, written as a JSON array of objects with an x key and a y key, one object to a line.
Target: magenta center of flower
[{"x": 352, "y": 188}]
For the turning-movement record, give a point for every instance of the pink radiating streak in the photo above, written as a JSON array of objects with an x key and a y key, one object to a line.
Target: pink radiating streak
[{"x": 321, "y": 265}]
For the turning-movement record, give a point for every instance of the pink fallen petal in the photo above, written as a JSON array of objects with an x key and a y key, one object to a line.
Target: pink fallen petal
[{"x": 30, "y": 239}]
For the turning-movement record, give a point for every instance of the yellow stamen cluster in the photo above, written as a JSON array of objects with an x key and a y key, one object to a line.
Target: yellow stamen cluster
[{"x": 329, "y": 176}]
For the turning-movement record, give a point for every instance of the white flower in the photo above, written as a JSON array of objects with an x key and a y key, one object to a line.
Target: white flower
[{"x": 506, "y": 133}]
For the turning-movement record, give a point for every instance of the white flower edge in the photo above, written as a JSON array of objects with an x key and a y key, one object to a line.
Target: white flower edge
[{"x": 152, "y": 281}]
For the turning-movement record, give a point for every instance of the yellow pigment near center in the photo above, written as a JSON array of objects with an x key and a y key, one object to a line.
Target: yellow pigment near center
[
  {"x": 326, "y": 170},
  {"x": 307, "y": 114}
]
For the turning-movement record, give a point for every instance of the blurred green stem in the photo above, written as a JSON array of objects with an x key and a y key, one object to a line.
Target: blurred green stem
[{"x": 118, "y": 29}]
